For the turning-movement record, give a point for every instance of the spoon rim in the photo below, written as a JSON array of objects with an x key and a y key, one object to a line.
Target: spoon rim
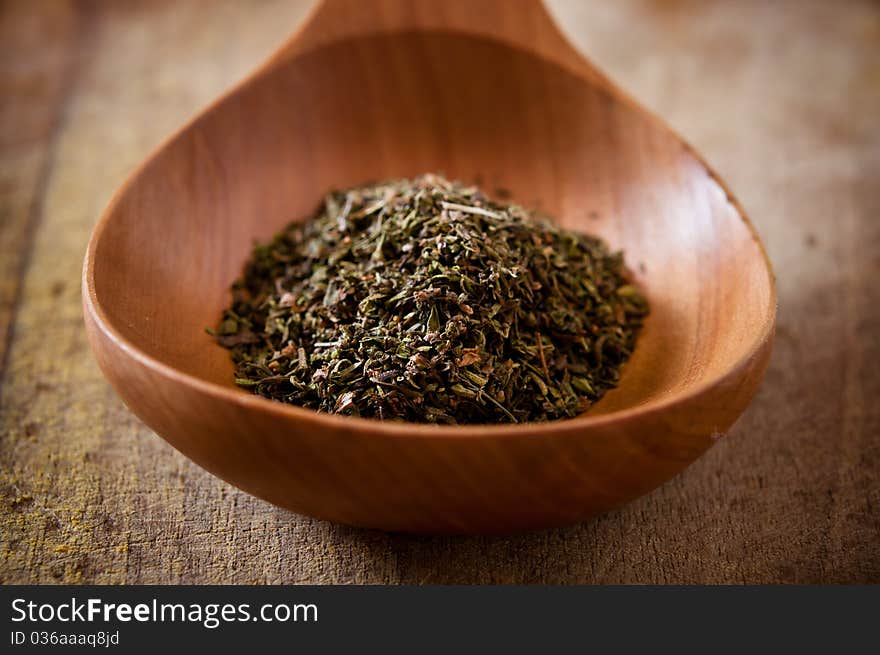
[{"x": 763, "y": 334}]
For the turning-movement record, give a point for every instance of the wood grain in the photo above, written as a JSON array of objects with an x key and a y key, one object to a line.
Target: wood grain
[
  {"x": 792, "y": 495},
  {"x": 40, "y": 53}
]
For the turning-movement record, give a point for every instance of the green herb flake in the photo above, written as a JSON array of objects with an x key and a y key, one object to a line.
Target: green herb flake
[{"x": 423, "y": 300}]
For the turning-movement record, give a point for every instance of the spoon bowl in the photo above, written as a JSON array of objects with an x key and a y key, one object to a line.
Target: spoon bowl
[{"x": 485, "y": 92}]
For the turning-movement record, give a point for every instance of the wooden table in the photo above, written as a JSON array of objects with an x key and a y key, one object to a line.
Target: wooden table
[{"x": 782, "y": 97}]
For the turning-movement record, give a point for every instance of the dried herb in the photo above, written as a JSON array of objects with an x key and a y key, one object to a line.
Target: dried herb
[{"x": 423, "y": 300}]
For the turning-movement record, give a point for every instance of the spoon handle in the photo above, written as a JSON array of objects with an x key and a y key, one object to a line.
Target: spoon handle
[{"x": 524, "y": 23}]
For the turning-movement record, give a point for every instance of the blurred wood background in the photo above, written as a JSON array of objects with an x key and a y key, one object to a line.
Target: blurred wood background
[{"x": 782, "y": 97}]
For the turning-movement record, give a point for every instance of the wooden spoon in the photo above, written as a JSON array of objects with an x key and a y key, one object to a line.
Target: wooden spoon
[{"x": 488, "y": 92}]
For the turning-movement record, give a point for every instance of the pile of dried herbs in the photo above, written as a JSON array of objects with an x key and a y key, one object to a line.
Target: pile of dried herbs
[{"x": 425, "y": 301}]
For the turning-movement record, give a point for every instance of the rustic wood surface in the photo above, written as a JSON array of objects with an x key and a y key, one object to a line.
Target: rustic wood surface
[{"x": 781, "y": 97}]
